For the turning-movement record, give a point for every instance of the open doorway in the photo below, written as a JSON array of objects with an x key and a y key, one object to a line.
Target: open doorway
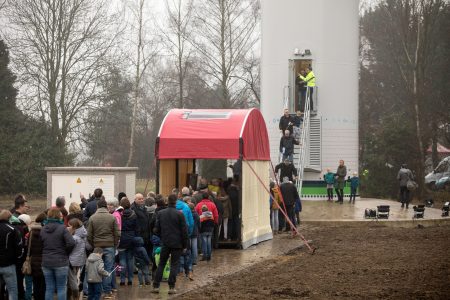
[
  {"x": 297, "y": 87},
  {"x": 225, "y": 192}
]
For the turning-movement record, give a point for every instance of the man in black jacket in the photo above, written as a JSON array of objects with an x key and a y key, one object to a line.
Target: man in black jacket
[
  {"x": 290, "y": 194},
  {"x": 143, "y": 221},
  {"x": 171, "y": 227},
  {"x": 11, "y": 245},
  {"x": 287, "y": 170},
  {"x": 286, "y": 122},
  {"x": 91, "y": 206},
  {"x": 287, "y": 142}
]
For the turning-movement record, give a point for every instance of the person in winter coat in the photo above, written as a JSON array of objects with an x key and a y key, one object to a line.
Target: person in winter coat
[
  {"x": 160, "y": 205},
  {"x": 404, "y": 175},
  {"x": 116, "y": 211},
  {"x": 233, "y": 193},
  {"x": 329, "y": 180},
  {"x": 12, "y": 248},
  {"x": 274, "y": 208},
  {"x": 194, "y": 235},
  {"x": 113, "y": 208},
  {"x": 287, "y": 143},
  {"x": 227, "y": 211},
  {"x": 171, "y": 227},
  {"x": 91, "y": 206},
  {"x": 340, "y": 181},
  {"x": 184, "y": 208},
  {"x": 23, "y": 230},
  {"x": 354, "y": 183},
  {"x": 77, "y": 257},
  {"x": 210, "y": 205},
  {"x": 36, "y": 257},
  {"x": 298, "y": 120},
  {"x": 286, "y": 121},
  {"x": 142, "y": 261},
  {"x": 206, "y": 230},
  {"x": 57, "y": 242},
  {"x": 287, "y": 169},
  {"x": 95, "y": 273},
  {"x": 143, "y": 221},
  {"x": 103, "y": 232},
  {"x": 290, "y": 194},
  {"x": 126, "y": 245},
  {"x": 26, "y": 219},
  {"x": 185, "y": 258}
]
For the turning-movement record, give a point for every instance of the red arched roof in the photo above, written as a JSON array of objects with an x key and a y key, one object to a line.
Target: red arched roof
[{"x": 213, "y": 134}]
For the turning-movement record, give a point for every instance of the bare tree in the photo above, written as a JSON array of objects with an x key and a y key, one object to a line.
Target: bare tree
[
  {"x": 3, "y": 4},
  {"x": 226, "y": 32},
  {"x": 413, "y": 23},
  {"x": 144, "y": 56},
  {"x": 176, "y": 35},
  {"x": 59, "y": 49}
]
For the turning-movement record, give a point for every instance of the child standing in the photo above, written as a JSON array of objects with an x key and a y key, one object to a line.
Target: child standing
[
  {"x": 354, "y": 183},
  {"x": 141, "y": 261},
  {"x": 329, "y": 180},
  {"x": 77, "y": 257},
  {"x": 95, "y": 270},
  {"x": 206, "y": 231}
]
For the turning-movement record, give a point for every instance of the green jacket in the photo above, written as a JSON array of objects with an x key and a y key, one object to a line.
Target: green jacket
[
  {"x": 103, "y": 230},
  {"x": 341, "y": 173},
  {"x": 310, "y": 79},
  {"x": 329, "y": 178}
]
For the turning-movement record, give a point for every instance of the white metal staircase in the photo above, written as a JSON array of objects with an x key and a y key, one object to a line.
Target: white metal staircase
[{"x": 301, "y": 150}]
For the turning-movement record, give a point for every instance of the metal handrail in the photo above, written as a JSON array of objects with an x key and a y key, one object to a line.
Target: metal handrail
[{"x": 303, "y": 142}]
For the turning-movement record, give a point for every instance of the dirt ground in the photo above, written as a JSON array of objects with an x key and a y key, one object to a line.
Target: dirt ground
[{"x": 371, "y": 262}]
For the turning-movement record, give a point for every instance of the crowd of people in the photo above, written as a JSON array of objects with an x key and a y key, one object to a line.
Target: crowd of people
[{"x": 86, "y": 249}]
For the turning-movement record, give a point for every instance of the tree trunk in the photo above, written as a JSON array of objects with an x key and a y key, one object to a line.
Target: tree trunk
[{"x": 136, "y": 87}]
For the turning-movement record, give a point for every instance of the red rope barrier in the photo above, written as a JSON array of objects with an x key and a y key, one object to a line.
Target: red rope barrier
[{"x": 311, "y": 249}]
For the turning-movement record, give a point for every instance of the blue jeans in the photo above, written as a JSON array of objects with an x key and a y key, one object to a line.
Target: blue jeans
[
  {"x": 94, "y": 291},
  {"x": 9, "y": 277},
  {"x": 186, "y": 262},
  {"x": 108, "y": 258},
  {"x": 206, "y": 244},
  {"x": 288, "y": 156},
  {"x": 28, "y": 287},
  {"x": 56, "y": 279},
  {"x": 143, "y": 275},
  {"x": 127, "y": 264},
  {"x": 194, "y": 250}
]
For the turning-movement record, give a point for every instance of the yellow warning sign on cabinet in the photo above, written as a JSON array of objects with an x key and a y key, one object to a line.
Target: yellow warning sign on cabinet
[
  {"x": 79, "y": 180},
  {"x": 101, "y": 180}
]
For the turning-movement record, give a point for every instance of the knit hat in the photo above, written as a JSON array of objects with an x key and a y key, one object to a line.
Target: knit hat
[{"x": 25, "y": 218}]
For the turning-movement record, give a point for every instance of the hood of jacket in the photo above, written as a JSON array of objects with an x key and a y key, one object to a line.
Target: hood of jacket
[
  {"x": 94, "y": 257},
  {"x": 128, "y": 213},
  {"x": 81, "y": 232},
  {"x": 138, "y": 242},
  {"x": 207, "y": 214},
  {"x": 51, "y": 227}
]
